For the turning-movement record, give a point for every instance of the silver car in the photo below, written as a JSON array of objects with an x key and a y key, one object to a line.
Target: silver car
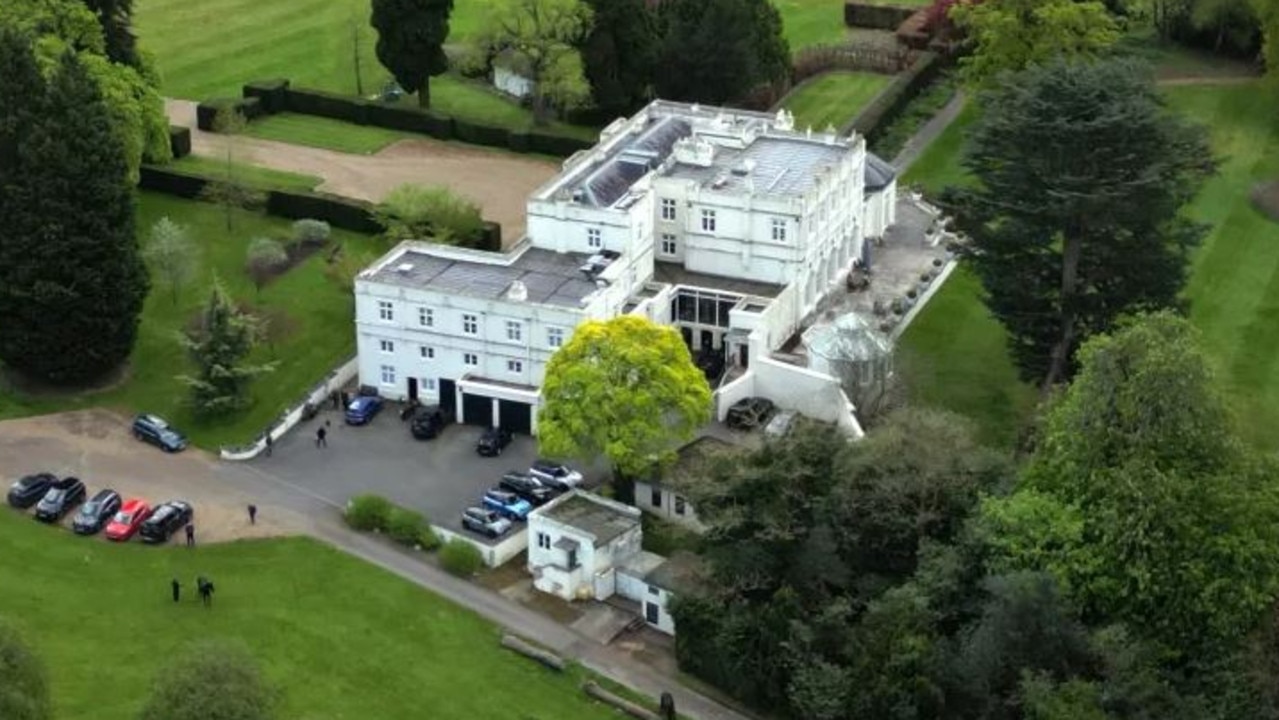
[
  {"x": 555, "y": 474},
  {"x": 485, "y": 522}
]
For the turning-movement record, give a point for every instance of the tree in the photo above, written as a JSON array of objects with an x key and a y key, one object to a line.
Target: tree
[
  {"x": 219, "y": 348},
  {"x": 24, "y": 688},
  {"x": 626, "y": 389},
  {"x": 21, "y": 94},
  {"x": 172, "y": 254},
  {"x": 716, "y": 51},
  {"x": 1268, "y": 14},
  {"x": 544, "y": 35},
  {"x": 116, "y": 19},
  {"x": 1065, "y": 242},
  {"x": 620, "y": 54},
  {"x": 1012, "y": 35},
  {"x": 211, "y": 680},
  {"x": 230, "y": 190},
  {"x": 414, "y": 212},
  {"x": 72, "y": 282},
  {"x": 264, "y": 258},
  {"x": 410, "y": 41}
]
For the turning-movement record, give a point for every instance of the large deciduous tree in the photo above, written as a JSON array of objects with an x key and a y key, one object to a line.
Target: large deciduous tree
[
  {"x": 544, "y": 35},
  {"x": 211, "y": 680},
  {"x": 1081, "y": 173},
  {"x": 219, "y": 347},
  {"x": 1011, "y": 35},
  {"x": 24, "y": 687},
  {"x": 625, "y": 389},
  {"x": 716, "y": 51},
  {"x": 410, "y": 41},
  {"x": 69, "y": 253},
  {"x": 620, "y": 54}
]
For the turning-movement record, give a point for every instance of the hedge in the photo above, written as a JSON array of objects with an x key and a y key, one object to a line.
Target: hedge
[
  {"x": 171, "y": 182},
  {"x": 878, "y": 17},
  {"x": 368, "y": 512},
  {"x": 410, "y": 119},
  {"x": 889, "y": 103},
  {"x": 179, "y": 141},
  {"x": 250, "y": 108},
  {"x": 480, "y": 134},
  {"x": 354, "y": 215},
  {"x": 270, "y": 92},
  {"x": 461, "y": 558},
  {"x": 327, "y": 104}
]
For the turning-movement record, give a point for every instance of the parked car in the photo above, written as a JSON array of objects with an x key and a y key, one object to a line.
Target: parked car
[
  {"x": 64, "y": 495},
  {"x": 429, "y": 421},
  {"x": 555, "y": 474},
  {"x": 157, "y": 431},
  {"x": 362, "y": 409},
  {"x": 128, "y": 519},
  {"x": 493, "y": 441},
  {"x": 27, "y": 492},
  {"x": 527, "y": 487},
  {"x": 749, "y": 413},
  {"x": 507, "y": 504},
  {"x": 165, "y": 520},
  {"x": 95, "y": 513},
  {"x": 485, "y": 522}
]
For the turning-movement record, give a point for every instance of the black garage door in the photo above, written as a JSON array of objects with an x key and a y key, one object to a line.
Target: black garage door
[
  {"x": 516, "y": 416},
  {"x": 448, "y": 396},
  {"x": 477, "y": 409}
]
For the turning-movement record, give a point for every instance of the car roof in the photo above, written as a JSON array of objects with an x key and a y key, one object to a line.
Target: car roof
[
  {"x": 104, "y": 494},
  {"x": 134, "y": 504},
  {"x": 67, "y": 483},
  {"x": 153, "y": 419}
]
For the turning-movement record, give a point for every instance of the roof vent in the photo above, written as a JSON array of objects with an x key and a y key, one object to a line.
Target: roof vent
[
  {"x": 518, "y": 291},
  {"x": 404, "y": 268},
  {"x": 719, "y": 182}
]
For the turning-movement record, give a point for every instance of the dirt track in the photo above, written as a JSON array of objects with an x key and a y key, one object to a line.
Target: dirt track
[{"x": 499, "y": 181}]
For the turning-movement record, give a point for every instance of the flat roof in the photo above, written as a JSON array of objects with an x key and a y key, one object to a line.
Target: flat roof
[
  {"x": 676, "y": 274},
  {"x": 781, "y": 165},
  {"x": 681, "y": 573},
  {"x": 698, "y": 458},
  {"x": 591, "y": 516},
  {"x": 550, "y": 278}
]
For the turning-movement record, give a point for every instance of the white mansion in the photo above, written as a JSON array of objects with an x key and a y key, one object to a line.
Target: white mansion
[{"x": 729, "y": 225}]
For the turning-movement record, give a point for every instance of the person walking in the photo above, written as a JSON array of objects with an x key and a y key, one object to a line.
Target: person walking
[
  {"x": 177, "y": 590},
  {"x": 253, "y": 514},
  {"x": 321, "y": 438},
  {"x": 190, "y": 535},
  {"x": 205, "y": 589},
  {"x": 268, "y": 443}
]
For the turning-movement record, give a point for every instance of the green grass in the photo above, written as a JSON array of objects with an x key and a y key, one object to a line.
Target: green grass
[
  {"x": 939, "y": 165},
  {"x": 310, "y": 316},
  {"x": 833, "y": 98},
  {"x": 341, "y": 638},
  {"x": 812, "y": 22},
  {"x": 325, "y": 133},
  {"x": 259, "y": 177}
]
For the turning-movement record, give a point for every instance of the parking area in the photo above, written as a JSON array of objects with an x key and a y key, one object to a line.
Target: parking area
[{"x": 438, "y": 478}]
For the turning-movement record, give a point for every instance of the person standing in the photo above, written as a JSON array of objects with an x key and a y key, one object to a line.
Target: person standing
[
  {"x": 177, "y": 590},
  {"x": 253, "y": 514},
  {"x": 268, "y": 443},
  {"x": 321, "y": 438},
  {"x": 190, "y": 535}
]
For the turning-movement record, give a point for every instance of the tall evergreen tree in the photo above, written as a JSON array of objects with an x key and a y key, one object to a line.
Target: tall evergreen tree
[
  {"x": 715, "y": 51},
  {"x": 219, "y": 349},
  {"x": 1081, "y": 175},
  {"x": 116, "y": 18},
  {"x": 410, "y": 41},
  {"x": 21, "y": 91},
  {"x": 620, "y": 54},
  {"x": 72, "y": 281}
]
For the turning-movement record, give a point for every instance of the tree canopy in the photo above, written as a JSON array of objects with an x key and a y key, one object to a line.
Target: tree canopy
[
  {"x": 410, "y": 41},
  {"x": 544, "y": 36},
  {"x": 1012, "y": 35},
  {"x": 1081, "y": 173},
  {"x": 116, "y": 19},
  {"x": 716, "y": 51},
  {"x": 625, "y": 389},
  {"x": 24, "y": 686},
  {"x": 619, "y": 54},
  {"x": 220, "y": 348},
  {"x": 211, "y": 681}
]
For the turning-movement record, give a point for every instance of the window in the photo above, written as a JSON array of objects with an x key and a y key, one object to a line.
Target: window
[
  {"x": 426, "y": 317},
  {"x": 679, "y": 505},
  {"x": 668, "y": 244},
  {"x": 544, "y": 541},
  {"x": 554, "y": 337},
  {"x": 708, "y": 220},
  {"x": 514, "y": 366},
  {"x": 470, "y": 359},
  {"x": 470, "y": 324},
  {"x": 572, "y": 559},
  {"x": 384, "y": 310},
  {"x": 428, "y": 384},
  {"x": 514, "y": 331},
  {"x": 656, "y": 497},
  {"x": 779, "y": 230},
  {"x": 668, "y": 209},
  {"x": 428, "y": 352},
  {"x": 652, "y": 590},
  {"x": 388, "y": 375},
  {"x": 387, "y": 346},
  {"x": 593, "y": 238}
]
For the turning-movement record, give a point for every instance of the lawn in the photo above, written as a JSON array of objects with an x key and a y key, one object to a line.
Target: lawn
[
  {"x": 309, "y": 316},
  {"x": 833, "y": 98},
  {"x": 341, "y": 638},
  {"x": 325, "y": 133},
  {"x": 259, "y": 177}
]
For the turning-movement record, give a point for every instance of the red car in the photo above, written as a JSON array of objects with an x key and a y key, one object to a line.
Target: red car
[{"x": 128, "y": 520}]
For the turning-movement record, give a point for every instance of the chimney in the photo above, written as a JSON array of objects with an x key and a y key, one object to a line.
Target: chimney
[{"x": 518, "y": 291}]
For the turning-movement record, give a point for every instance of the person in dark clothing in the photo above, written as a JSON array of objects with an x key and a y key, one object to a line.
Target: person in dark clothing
[
  {"x": 268, "y": 444},
  {"x": 320, "y": 438},
  {"x": 205, "y": 586},
  {"x": 336, "y": 399},
  {"x": 190, "y": 535},
  {"x": 253, "y": 514},
  {"x": 177, "y": 590}
]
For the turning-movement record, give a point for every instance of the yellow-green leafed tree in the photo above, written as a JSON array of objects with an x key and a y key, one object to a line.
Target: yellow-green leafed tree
[
  {"x": 1011, "y": 35},
  {"x": 626, "y": 389}
]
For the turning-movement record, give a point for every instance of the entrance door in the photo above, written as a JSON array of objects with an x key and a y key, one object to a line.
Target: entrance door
[
  {"x": 744, "y": 355},
  {"x": 516, "y": 416},
  {"x": 448, "y": 396},
  {"x": 652, "y": 613},
  {"x": 708, "y": 339},
  {"x": 477, "y": 409},
  {"x": 412, "y": 389}
]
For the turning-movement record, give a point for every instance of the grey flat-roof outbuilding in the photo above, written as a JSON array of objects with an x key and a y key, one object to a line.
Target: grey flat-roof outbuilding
[
  {"x": 551, "y": 278},
  {"x": 595, "y": 519}
]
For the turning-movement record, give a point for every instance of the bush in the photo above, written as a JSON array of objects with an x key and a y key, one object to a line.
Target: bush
[
  {"x": 461, "y": 558},
  {"x": 427, "y": 538},
  {"x": 480, "y": 134},
  {"x": 414, "y": 212},
  {"x": 327, "y": 104},
  {"x": 404, "y": 525},
  {"x": 171, "y": 182},
  {"x": 368, "y": 512},
  {"x": 271, "y": 93},
  {"x": 179, "y": 141},
  {"x": 309, "y": 231},
  {"x": 886, "y": 106}
]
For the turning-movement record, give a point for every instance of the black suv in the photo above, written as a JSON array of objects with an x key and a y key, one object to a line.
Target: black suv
[
  {"x": 493, "y": 441},
  {"x": 157, "y": 431},
  {"x": 527, "y": 487},
  {"x": 64, "y": 495},
  {"x": 429, "y": 421},
  {"x": 28, "y": 491},
  {"x": 165, "y": 521},
  {"x": 95, "y": 514},
  {"x": 749, "y": 413}
]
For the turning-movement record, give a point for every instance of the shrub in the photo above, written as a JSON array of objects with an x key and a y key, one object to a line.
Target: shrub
[
  {"x": 265, "y": 258},
  {"x": 368, "y": 512},
  {"x": 460, "y": 558},
  {"x": 404, "y": 525},
  {"x": 413, "y": 212},
  {"x": 309, "y": 231},
  {"x": 427, "y": 538}
]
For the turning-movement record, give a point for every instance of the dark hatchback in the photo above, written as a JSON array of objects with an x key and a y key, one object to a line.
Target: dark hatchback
[
  {"x": 493, "y": 441},
  {"x": 95, "y": 514},
  {"x": 28, "y": 491},
  {"x": 64, "y": 495},
  {"x": 429, "y": 421},
  {"x": 165, "y": 521},
  {"x": 528, "y": 488}
]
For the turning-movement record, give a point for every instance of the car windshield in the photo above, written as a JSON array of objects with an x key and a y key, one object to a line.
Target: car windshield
[
  {"x": 123, "y": 517},
  {"x": 170, "y": 436},
  {"x": 55, "y": 495},
  {"x": 89, "y": 509}
]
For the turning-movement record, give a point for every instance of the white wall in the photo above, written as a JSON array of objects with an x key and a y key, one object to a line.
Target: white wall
[
  {"x": 494, "y": 555},
  {"x": 811, "y": 393},
  {"x": 667, "y": 506},
  {"x": 634, "y": 588}
]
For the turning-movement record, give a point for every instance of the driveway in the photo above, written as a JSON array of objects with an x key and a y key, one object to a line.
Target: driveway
[{"x": 438, "y": 478}]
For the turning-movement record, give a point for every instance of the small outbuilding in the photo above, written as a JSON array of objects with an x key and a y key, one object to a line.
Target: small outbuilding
[{"x": 577, "y": 542}]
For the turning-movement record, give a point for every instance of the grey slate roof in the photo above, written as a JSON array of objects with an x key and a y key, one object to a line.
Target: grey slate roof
[
  {"x": 551, "y": 278},
  {"x": 783, "y": 166},
  {"x": 879, "y": 173},
  {"x": 682, "y": 572},
  {"x": 614, "y": 177}
]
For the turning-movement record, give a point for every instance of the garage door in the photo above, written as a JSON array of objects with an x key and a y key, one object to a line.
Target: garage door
[
  {"x": 448, "y": 396},
  {"x": 516, "y": 416},
  {"x": 477, "y": 409}
]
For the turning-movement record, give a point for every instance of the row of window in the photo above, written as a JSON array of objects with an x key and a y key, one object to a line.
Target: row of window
[
  {"x": 470, "y": 324},
  {"x": 514, "y": 367},
  {"x": 709, "y": 222},
  {"x": 471, "y": 359}
]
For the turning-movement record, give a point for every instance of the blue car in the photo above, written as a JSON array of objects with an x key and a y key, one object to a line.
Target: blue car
[
  {"x": 362, "y": 409},
  {"x": 507, "y": 504}
]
